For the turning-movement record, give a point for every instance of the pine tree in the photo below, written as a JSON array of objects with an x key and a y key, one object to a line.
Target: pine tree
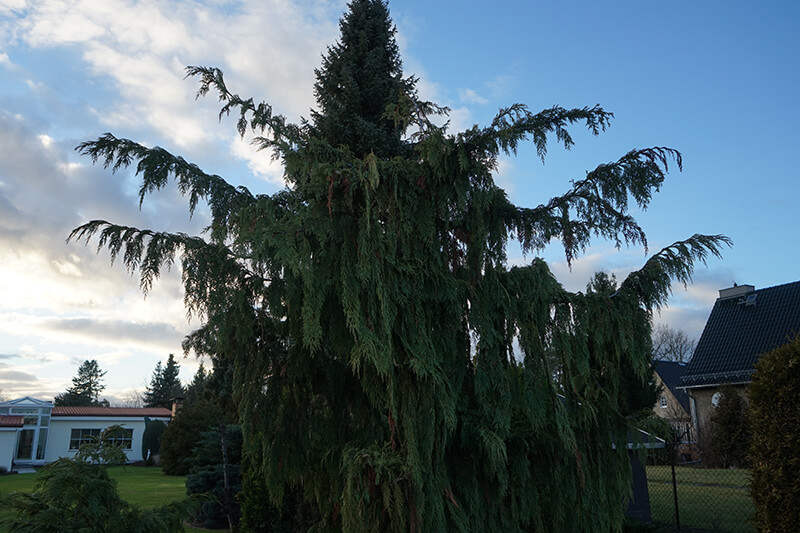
[
  {"x": 369, "y": 319},
  {"x": 165, "y": 385},
  {"x": 196, "y": 390},
  {"x": 86, "y": 387}
]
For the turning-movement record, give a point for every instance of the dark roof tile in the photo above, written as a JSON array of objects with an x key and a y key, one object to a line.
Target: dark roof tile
[{"x": 738, "y": 332}]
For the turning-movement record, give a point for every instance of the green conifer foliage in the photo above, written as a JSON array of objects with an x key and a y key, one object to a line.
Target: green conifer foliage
[
  {"x": 391, "y": 372},
  {"x": 86, "y": 387},
  {"x": 165, "y": 385},
  {"x": 775, "y": 456},
  {"x": 359, "y": 78},
  {"x": 730, "y": 430}
]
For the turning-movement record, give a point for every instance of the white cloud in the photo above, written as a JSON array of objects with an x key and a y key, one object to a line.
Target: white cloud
[
  {"x": 144, "y": 46},
  {"x": 56, "y": 294},
  {"x": 258, "y": 161},
  {"x": 5, "y": 61},
  {"x": 11, "y": 5},
  {"x": 460, "y": 119},
  {"x": 470, "y": 96}
]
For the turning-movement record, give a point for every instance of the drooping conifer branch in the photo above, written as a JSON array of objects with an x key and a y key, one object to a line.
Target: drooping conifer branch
[
  {"x": 281, "y": 135},
  {"x": 599, "y": 202},
  {"x": 516, "y": 123},
  {"x": 156, "y": 166},
  {"x": 652, "y": 283},
  {"x": 207, "y": 267}
]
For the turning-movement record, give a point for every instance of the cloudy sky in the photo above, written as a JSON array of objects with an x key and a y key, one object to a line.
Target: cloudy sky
[{"x": 716, "y": 80}]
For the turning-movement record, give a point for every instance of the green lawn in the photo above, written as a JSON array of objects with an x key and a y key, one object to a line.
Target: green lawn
[
  {"x": 708, "y": 499},
  {"x": 147, "y": 487}
]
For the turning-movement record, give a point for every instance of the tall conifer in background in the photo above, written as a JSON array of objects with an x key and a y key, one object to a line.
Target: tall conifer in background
[
  {"x": 86, "y": 387},
  {"x": 165, "y": 385},
  {"x": 369, "y": 319}
]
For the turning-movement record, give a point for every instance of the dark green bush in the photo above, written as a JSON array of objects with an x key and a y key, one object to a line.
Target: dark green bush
[
  {"x": 730, "y": 430},
  {"x": 182, "y": 434},
  {"x": 206, "y": 477},
  {"x": 151, "y": 439},
  {"x": 296, "y": 513},
  {"x": 775, "y": 453}
]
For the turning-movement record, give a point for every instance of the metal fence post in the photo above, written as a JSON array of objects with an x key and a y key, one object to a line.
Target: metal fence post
[{"x": 672, "y": 454}]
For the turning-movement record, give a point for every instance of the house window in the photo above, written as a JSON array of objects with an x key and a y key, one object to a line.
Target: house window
[
  {"x": 82, "y": 436},
  {"x": 124, "y": 438},
  {"x": 663, "y": 402}
]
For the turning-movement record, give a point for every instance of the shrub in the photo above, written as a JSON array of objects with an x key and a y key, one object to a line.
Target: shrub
[
  {"x": 730, "y": 430},
  {"x": 775, "y": 454},
  {"x": 182, "y": 434},
  {"x": 78, "y": 496},
  {"x": 151, "y": 439},
  {"x": 207, "y": 477}
]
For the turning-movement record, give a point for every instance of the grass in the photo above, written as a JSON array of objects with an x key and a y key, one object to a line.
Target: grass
[
  {"x": 708, "y": 499},
  {"x": 146, "y": 487}
]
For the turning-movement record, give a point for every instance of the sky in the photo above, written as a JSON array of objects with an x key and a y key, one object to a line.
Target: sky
[{"x": 716, "y": 80}]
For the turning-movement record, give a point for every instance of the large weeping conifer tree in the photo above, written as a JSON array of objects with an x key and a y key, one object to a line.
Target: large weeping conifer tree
[{"x": 391, "y": 372}]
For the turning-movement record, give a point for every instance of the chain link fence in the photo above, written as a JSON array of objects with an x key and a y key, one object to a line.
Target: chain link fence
[{"x": 688, "y": 495}]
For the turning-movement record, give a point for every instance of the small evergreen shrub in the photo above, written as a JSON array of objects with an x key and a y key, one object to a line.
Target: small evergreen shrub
[
  {"x": 775, "y": 454},
  {"x": 206, "y": 477},
  {"x": 182, "y": 434},
  {"x": 151, "y": 439},
  {"x": 730, "y": 430}
]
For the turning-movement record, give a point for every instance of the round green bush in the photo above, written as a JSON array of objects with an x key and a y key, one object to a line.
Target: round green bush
[{"x": 775, "y": 454}]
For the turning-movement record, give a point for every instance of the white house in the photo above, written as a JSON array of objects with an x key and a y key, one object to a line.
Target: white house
[{"x": 35, "y": 432}]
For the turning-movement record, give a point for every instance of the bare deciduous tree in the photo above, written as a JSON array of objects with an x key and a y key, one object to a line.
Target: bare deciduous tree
[{"x": 671, "y": 344}]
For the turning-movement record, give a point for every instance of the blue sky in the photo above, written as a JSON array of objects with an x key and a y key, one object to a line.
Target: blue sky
[{"x": 715, "y": 80}]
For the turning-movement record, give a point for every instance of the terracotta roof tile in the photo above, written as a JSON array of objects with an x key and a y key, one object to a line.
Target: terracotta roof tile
[
  {"x": 111, "y": 411},
  {"x": 11, "y": 421}
]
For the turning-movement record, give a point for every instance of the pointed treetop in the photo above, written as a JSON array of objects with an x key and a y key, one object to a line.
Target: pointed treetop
[{"x": 360, "y": 76}]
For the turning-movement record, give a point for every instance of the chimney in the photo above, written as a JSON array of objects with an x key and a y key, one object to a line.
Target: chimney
[
  {"x": 736, "y": 290},
  {"x": 177, "y": 403}
]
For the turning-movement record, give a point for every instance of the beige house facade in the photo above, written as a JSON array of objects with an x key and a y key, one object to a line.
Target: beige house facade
[{"x": 673, "y": 406}]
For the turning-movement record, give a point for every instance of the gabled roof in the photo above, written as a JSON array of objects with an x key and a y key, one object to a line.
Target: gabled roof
[
  {"x": 27, "y": 401},
  {"x": 671, "y": 373},
  {"x": 739, "y": 330},
  {"x": 112, "y": 411}
]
